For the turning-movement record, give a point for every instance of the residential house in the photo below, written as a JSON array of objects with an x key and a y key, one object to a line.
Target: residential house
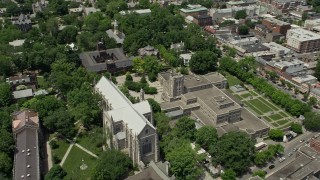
[
  {"x": 23, "y": 22},
  {"x": 148, "y": 51}
]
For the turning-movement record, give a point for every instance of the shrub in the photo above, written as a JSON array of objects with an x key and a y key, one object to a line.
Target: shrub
[
  {"x": 152, "y": 77},
  {"x": 54, "y": 144},
  {"x": 56, "y": 159}
]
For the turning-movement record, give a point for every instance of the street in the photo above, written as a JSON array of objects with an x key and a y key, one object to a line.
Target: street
[{"x": 289, "y": 148}]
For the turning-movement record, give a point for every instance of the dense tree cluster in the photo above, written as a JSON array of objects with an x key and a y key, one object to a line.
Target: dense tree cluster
[
  {"x": 276, "y": 134},
  {"x": 112, "y": 165},
  {"x": 312, "y": 121},
  {"x": 203, "y": 62},
  {"x": 244, "y": 72},
  {"x": 263, "y": 157},
  {"x": 137, "y": 86}
]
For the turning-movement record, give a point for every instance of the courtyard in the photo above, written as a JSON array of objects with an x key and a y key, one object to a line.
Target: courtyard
[{"x": 273, "y": 115}]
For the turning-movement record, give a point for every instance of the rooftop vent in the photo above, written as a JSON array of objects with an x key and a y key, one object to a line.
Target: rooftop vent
[
  {"x": 28, "y": 154},
  {"x": 28, "y": 175},
  {"x": 22, "y": 151},
  {"x": 28, "y": 166},
  {"x": 22, "y": 176},
  {"x": 28, "y": 150}
]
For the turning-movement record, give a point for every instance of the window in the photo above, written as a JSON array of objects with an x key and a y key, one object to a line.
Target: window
[
  {"x": 147, "y": 131},
  {"x": 146, "y": 147}
]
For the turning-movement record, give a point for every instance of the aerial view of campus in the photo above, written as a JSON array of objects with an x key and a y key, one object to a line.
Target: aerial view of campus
[{"x": 160, "y": 90}]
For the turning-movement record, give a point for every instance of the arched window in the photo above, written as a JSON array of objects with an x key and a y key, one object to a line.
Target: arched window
[{"x": 146, "y": 147}]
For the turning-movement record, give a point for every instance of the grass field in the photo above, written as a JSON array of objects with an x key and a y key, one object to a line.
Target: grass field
[
  {"x": 282, "y": 122},
  {"x": 239, "y": 97},
  {"x": 260, "y": 105},
  {"x": 245, "y": 95},
  {"x": 92, "y": 140},
  {"x": 267, "y": 118},
  {"x": 232, "y": 80},
  {"x": 275, "y": 124},
  {"x": 275, "y": 117},
  {"x": 253, "y": 93},
  {"x": 253, "y": 108},
  {"x": 283, "y": 114},
  {"x": 62, "y": 149},
  {"x": 74, "y": 161},
  {"x": 273, "y": 107}
]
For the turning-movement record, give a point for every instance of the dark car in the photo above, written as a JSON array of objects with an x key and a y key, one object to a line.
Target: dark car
[{"x": 271, "y": 166}]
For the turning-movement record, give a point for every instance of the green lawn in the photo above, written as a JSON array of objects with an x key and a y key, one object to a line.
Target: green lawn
[
  {"x": 74, "y": 161},
  {"x": 253, "y": 93},
  {"x": 232, "y": 80},
  {"x": 285, "y": 126},
  {"x": 239, "y": 97},
  {"x": 43, "y": 84},
  {"x": 62, "y": 149},
  {"x": 245, "y": 95},
  {"x": 92, "y": 140},
  {"x": 260, "y": 105},
  {"x": 275, "y": 124},
  {"x": 253, "y": 108},
  {"x": 275, "y": 117},
  {"x": 268, "y": 104},
  {"x": 267, "y": 118},
  {"x": 282, "y": 122},
  {"x": 283, "y": 114}
]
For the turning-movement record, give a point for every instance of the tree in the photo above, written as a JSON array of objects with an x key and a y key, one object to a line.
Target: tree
[
  {"x": 151, "y": 65},
  {"x": 203, "y": 62},
  {"x": 234, "y": 151},
  {"x": 312, "y": 121},
  {"x": 304, "y": 16},
  {"x": 5, "y": 164},
  {"x": 67, "y": 35},
  {"x": 312, "y": 101},
  {"x": 5, "y": 94},
  {"x": 144, "y": 4},
  {"x": 183, "y": 161},
  {"x": 228, "y": 174},
  {"x": 61, "y": 122},
  {"x": 185, "y": 128},
  {"x": 112, "y": 165},
  {"x": 243, "y": 30},
  {"x": 297, "y": 128},
  {"x": 138, "y": 65},
  {"x": 276, "y": 134},
  {"x": 206, "y": 136},
  {"x": 7, "y": 142},
  {"x": 5, "y": 66},
  {"x": 162, "y": 123},
  {"x": 44, "y": 105},
  {"x": 155, "y": 106},
  {"x": 83, "y": 105},
  {"x": 55, "y": 173},
  {"x": 259, "y": 173},
  {"x": 317, "y": 69},
  {"x": 240, "y": 14}
]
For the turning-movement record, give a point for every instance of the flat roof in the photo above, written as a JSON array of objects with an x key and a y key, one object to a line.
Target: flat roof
[
  {"x": 210, "y": 78},
  {"x": 305, "y": 78},
  {"x": 255, "y": 47},
  {"x": 276, "y": 46},
  {"x": 193, "y": 8},
  {"x": 302, "y": 34},
  {"x": 277, "y": 21},
  {"x": 22, "y": 93},
  {"x": 282, "y": 64}
]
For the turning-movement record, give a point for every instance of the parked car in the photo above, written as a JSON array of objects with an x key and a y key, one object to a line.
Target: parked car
[
  {"x": 295, "y": 149},
  {"x": 290, "y": 154},
  {"x": 271, "y": 166}
]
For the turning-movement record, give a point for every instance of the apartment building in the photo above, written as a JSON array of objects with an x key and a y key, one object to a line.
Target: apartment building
[
  {"x": 276, "y": 25},
  {"x": 302, "y": 40}
]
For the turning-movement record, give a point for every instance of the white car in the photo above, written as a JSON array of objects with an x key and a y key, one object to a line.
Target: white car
[
  {"x": 282, "y": 159},
  {"x": 290, "y": 154}
]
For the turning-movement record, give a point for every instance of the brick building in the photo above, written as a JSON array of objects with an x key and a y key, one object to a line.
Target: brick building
[
  {"x": 276, "y": 25},
  {"x": 203, "y": 20}
]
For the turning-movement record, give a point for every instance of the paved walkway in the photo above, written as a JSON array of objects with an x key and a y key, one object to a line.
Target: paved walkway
[
  {"x": 86, "y": 150},
  {"x": 49, "y": 155},
  {"x": 79, "y": 146}
]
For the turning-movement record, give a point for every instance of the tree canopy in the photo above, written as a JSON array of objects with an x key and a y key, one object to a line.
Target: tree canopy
[
  {"x": 203, "y": 62},
  {"x": 276, "y": 134},
  {"x": 5, "y": 94},
  {"x": 55, "y": 173},
  {"x": 312, "y": 121},
  {"x": 112, "y": 165},
  {"x": 206, "y": 136},
  {"x": 234, "y": 151}
]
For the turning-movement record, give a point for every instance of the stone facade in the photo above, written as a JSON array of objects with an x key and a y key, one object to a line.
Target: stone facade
[{"x": 129, "y": 127}]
